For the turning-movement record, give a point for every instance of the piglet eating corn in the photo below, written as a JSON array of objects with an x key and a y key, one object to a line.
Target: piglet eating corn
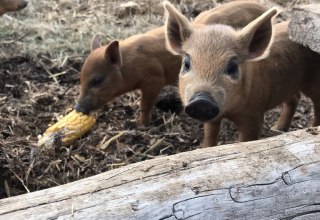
[{"x": 68, "y": 129}]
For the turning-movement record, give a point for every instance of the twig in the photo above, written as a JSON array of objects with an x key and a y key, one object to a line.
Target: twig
[
  {"x": 292, "y": 4},
  {"x": 21, "y": 180},
  {"x": 29, "y": 170},
  {"x": 58, "y": 74},
  {"x": 108, "y": 142},
  {"x": 164, "y": 149},
  {"x": 47, "y": 70},
  {"x": 155, "y": 145}
]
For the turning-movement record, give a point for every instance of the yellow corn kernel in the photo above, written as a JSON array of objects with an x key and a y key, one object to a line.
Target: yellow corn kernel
[{"x": 68, "y": 129}]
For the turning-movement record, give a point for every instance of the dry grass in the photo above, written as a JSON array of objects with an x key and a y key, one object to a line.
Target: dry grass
[{"x": 64, "y": 28}]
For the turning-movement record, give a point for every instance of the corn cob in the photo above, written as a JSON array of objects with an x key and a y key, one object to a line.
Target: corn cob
[{"x": 68, "y": 129}]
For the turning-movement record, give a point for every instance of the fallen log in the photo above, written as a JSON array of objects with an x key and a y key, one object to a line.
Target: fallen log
[{"x": 274, "y": 178}]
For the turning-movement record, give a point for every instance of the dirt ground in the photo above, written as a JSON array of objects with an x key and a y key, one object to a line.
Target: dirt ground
[{"x": 41, "y": 54}]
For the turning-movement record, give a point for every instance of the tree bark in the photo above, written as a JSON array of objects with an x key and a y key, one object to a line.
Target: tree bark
[
  {"x": 304, "y": 27},
  {"x": 274, "y": 178}
]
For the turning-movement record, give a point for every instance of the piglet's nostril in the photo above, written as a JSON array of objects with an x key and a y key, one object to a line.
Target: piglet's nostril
[{"x": 202, "y": 107}]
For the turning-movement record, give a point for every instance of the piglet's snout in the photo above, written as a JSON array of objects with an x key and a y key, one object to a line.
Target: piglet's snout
[
  {"x": 22, "y": 4},
  {"x": 80, "y": 107},
  {"x": 202, "y": 107}
]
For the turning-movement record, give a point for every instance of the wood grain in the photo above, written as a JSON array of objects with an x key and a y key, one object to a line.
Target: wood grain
[{"x": 274, "y": 178}]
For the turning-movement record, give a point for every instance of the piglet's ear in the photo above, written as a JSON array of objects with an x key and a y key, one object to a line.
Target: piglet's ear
[
  {"x": 177, "y": 27},
  {"x": 112, "y": 54},
  {"x": 96, "y": 42},
  {"x": 256, "y": 38}
]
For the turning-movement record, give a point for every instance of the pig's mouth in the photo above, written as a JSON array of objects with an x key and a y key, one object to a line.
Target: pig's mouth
[
  {"x": 81, "y": 108},
  {"x": 86, "y": 107},
  {"x": 87, "y": 104},
  {"x": 202, "y": 107}
]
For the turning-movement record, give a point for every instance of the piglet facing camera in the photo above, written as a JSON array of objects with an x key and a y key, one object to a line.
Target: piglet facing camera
[{"x": 240, "y": 74}]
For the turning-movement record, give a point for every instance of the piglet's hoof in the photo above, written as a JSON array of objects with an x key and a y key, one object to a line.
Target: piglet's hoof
[
  {"x": 277, "y": 129},
  {"x": 143, "y": 121}
]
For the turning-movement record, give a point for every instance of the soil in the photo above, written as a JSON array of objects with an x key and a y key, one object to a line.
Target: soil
[{"x": 31, "y": 98}]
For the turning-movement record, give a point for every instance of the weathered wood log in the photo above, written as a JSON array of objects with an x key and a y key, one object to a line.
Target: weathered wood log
[
  {"x": 274, "y": 178},
  {"x": 304, "y": 27}
]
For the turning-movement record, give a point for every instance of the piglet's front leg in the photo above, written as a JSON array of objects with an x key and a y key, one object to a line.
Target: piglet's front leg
[
  {"x": 148, "y": 100},
  {"x": 288, "y": 109},
  {"x": 211, "y": 134},
  {"x": 250, "y": 128}
]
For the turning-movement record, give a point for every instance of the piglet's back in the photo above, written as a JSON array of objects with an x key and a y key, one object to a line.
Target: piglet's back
[{"x": 239, "y": 15}]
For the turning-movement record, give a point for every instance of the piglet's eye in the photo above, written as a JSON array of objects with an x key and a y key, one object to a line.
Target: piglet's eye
[
  {"x": 186, "y": 64},
  {"x": 96, "y": 81},
  {"x": 232, "y": 69}
]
